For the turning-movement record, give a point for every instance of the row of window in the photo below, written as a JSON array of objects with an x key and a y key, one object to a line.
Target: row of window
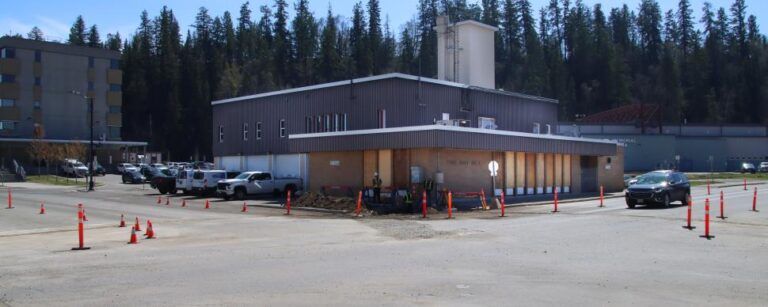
[
  {"x": 5, "y": 78},
  {"x": 245, "y": 131},
  {"x": 6, "y": 125},
  {"x": 326, "y": 123},
  {"x": 10, "y": 53}
]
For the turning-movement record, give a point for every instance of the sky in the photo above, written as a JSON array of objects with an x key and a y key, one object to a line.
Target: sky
[{"x": 56, "y": 17}]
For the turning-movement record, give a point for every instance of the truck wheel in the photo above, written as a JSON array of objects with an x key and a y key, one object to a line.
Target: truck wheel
[
  {"x": 631, "y": 203},
  {"x": 226, "y": 197},
  {"x": 239, "y": 193},
  {"x": 666, "y": 201},
  {"x": 162, "y": 191}
]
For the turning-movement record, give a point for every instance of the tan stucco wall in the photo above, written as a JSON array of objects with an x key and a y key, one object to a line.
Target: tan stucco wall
[
  {"x": 612, "y": 179},
  {"x": 348, "y": 173}
]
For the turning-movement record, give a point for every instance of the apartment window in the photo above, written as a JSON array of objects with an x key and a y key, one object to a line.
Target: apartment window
[
  {"x": 328, "y": 123},
  {"x": 344, "y": 122},
  {"x": 221, "y": 134},
  {"x": 319, "y": 124},
  {"x": 7, "y": 78},
  {"x": 7, "y": 103},
  {"x": 486, "y": 123},
  {"x": 36, "y": 104},
  {"x": 7, "y": 125},
  {"x": 336, "y": 123},
  {"x": 90, "y": 62},
  {"x": 245, "y": 131},
  {"x": 7, "y": 53},
  {"x": 91, "y": 87},
  {"x": 308, "y": 124},
  {"x": 38, "y": 56},
  {"x": 282, "y": 128},
  {"x": 115, "y": 109},
  {"x": 115, "y": 87},
  {"x": 258, "y": 130},
  {"x": 536, "y": 128},
  {"x": 114, "y": 132},
  {"x": 38, "y": 81},
  {"x": 114, "y": 64},
  {"x": 382, "y": 118}
]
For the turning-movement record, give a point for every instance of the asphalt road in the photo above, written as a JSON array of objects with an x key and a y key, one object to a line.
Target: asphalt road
[{"x": 583, "y": 255}]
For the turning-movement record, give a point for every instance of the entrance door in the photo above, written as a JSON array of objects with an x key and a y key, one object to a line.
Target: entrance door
[{"x": 588, "y": 174}]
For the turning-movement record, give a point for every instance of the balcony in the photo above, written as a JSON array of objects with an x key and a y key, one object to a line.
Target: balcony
[
  {"x": 9, "y": 91},
  {"x": 115, "y": 119},
  {"x": 10, "y": 66},
  {"x": 10, "y": 113},
  {"x": 115, "y": 98},
  {"x": 114, "y": 76}
]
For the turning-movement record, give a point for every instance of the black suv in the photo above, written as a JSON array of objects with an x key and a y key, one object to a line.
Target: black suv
[{"x": 660, "y": 187}]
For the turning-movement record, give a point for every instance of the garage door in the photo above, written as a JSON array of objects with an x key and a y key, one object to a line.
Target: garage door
[
  {"x": 257, "y": 163},
  {"x": 231, "y": 163},
  {"x": 288, "y": 165}
]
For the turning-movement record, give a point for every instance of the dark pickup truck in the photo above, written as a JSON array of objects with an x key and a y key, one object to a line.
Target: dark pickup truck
[{"x": 164, "y": 181}]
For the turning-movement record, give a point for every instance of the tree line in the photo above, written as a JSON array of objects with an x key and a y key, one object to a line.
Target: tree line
[{"x": 698, "y": 70}]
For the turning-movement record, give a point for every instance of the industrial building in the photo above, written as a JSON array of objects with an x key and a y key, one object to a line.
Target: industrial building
[
  {"x": 46, "y": 89},
  {"x": 407, "y": 128}
]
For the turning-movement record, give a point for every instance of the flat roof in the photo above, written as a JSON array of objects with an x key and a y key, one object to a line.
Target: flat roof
[
  {"x": 58, "y": 141},
  {"x": 376, "y": 78},
  {"x": 55, "y": 47}
]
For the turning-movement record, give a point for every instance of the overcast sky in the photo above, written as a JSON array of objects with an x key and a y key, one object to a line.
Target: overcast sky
[{"x": 56, "y": 17}]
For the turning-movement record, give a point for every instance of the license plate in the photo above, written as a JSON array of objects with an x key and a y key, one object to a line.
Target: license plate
[{"x": 640, "y": 201}]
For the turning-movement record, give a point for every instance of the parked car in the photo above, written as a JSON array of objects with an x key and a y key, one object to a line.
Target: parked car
[
  {"x": 661, "y": 187},
  {"x": 747, "y": 167},
  {"x": 133, "y": 176},
  {"x": 74, "y": 168},
  {"x": 158, "y": 166},
  {"x": 98, "y": 170},
  {"x": 204, "y": 181},
  {"x": 202, "y": 165},
  {"x": 250, "y": 183},
  {"x": 123, "y": 167},
  {"x": 164, "y": 181},
  {"x": 184, "y": 181},
  {"x": 763, "y": 167}
]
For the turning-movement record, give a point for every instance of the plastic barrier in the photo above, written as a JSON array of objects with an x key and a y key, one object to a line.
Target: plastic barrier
[{"x": 706, "y": 221}]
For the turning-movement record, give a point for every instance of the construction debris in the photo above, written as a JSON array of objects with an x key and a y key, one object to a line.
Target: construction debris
[{"x": 316, "y": 200}]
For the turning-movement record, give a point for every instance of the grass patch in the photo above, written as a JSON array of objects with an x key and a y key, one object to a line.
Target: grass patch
[
  {"x": 762, "y": 176},
  {"x": 58, "y": 180},
  {"x": 704, "y": 182}
]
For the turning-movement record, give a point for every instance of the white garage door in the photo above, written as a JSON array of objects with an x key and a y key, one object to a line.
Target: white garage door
[
  {"x": 257, "y": 163},
  {"x": 231, "y": 163},
  {"x": 288, "y": 165}
]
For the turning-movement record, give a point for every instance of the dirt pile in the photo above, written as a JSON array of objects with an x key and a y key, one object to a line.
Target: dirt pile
[{"x": 316, "y": 200}]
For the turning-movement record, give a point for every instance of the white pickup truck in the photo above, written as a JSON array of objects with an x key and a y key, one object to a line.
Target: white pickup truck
[{"x": 250, "y": 183}]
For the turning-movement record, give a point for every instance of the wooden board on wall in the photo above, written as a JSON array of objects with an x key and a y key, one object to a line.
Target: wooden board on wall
[
  {"x": 540, "y": 173},
  {"x": 558, "y": 171},
  {"x": 385, "y": 167}
]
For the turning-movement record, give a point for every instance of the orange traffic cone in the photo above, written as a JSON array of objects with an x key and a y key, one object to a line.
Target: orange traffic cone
[
  {"x": 245, "y": 208},
  {"x": 150, "y": 231},
  {"x": 42, "y": 208},
  {"x": 133, "y": 240},
  {"x": 183, "y": 202},
  {"x": 159, "y": 200},
  {"x": 207, "y": 204},
  {"x": 137, "y": 227},
  {"x": 167, "y": 201},
  {"x": 122, "y": 221}
]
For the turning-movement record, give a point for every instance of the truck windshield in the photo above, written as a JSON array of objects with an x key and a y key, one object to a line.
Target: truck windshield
[{"x": 243, "y": 176}]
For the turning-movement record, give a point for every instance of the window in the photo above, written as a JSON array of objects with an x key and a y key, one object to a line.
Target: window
[
  {"x": 536, "y": 128},
  {"x": 319, "y": 124},
  {"x": 344, "y": 122},
  {"x": 37, "y": 81},
  {"x": 7, "y": 53},
  {"x": 245, "y": 131},
  {"x": 328, "y": 123},
  {"x": 6, "y": 125},
  {"x": 486, "y": 123},
  {"x": 91, "y": 87},
  {"x": 261, "y": 176},
  {"x": 221, "y": 134},
  {"x": 7, "y": 78},
  {"x": 114, "y": 64},
  {"x": 282, "y": 128},
  {"x": 38, "y": 56},
  {"x": 115, "y": 87},
  {"x": 115, "y": 109},
  {"x": 90, "y": 62},
  {"x": 36, "y": 104},
  {"x": 336, "y": 124},
  {"x": 308, "y": 124},
  {"x": 7, "y": 103},
  {"x": 382, "y": 118},
  {"x": 114, "y": 132},
  {"x": 258, "y": 130}
]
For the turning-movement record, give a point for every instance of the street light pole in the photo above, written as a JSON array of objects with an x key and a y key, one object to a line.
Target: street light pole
[{"x": 90, "y": 154}]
